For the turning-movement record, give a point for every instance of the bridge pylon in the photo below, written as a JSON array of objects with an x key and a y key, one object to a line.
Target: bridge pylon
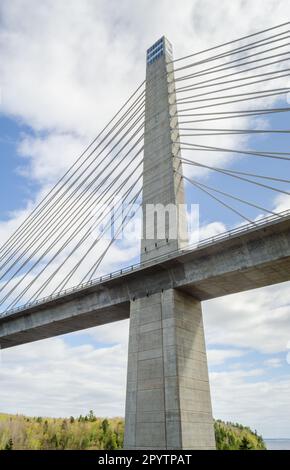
[{"x": 168, "y": 404}]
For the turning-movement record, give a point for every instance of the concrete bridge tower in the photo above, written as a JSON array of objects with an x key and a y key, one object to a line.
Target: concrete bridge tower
[{"x": 168, "y": 403}]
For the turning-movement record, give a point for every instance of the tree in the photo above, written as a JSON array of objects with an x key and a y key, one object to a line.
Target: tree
[
  {"x": 45, "y": 427},
  {"x": 64, "y": 425},
  {"x": 91, "y": 416},
  {"x": 245, "y": 444},
  {"x": 105, "y": 426},
  {"x": 9, "y": 445},
  {"x": 54, "y": 441},
  {"x": 111, "y": 441}
]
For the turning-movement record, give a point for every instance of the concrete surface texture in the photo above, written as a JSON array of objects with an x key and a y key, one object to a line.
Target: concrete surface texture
[
  {"x": 161, "y": 186},
  {"x": 168, "y": 402}
]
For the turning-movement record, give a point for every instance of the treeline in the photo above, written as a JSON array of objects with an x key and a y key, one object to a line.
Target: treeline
[
  {"x": 85, "y": 432},
  {"x": 89, "y": 432},
  {"x": 234, "y": 436}
]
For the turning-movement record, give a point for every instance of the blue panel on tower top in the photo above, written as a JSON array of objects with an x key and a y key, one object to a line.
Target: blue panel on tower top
[{"x": 160, "y": 48}]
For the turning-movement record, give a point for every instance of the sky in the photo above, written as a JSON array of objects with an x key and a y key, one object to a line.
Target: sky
[{"x": 65, "y": 68}]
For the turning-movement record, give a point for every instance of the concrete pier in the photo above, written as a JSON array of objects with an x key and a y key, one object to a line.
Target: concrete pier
[{"x": 168, "y": 402}]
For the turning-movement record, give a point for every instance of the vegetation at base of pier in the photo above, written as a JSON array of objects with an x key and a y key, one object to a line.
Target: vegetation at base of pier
[
  {"x": 89, "y": 432},
  {"x": 230, "y": 436},
  {"x": 83, "y": 432}
]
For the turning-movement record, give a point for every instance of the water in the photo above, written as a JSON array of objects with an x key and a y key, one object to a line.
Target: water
[{"x": 277, "y": 444}]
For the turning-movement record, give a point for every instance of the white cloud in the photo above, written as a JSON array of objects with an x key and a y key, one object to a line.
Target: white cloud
[
  {"x": 211, "y": 229},
  {"x": 53, "y": 378},
  {"x": 281, "y": 203},
  {"x": 50, "y": 156},
  {"x": 59, "y": 50},
  {"x": 273, "y": 362},
  {"x": 288, "y": 354},
  {"x": 117, "y": 333},
  {"x": 246, "y": 396},
  {"x": 220, "y": 356},
  {"x": 257, "y": 319}
]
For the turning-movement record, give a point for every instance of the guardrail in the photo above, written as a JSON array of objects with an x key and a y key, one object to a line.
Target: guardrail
[{"x": 137, "y": 266}]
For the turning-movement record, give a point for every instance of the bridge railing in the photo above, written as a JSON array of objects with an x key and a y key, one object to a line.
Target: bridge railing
[{"x": 263, "y": 222}]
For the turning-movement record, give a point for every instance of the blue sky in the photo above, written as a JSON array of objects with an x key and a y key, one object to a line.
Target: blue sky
[
  {"x": 12, "y": 183},
  {"x": 59, "y": 86},
  {"x": 210, "y": 210}
]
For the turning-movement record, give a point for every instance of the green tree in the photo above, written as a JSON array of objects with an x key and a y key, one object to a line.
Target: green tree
[
  {"x": 54, "y": 441},
  {"x": 20, "y": 432},
  {"x": 245, "y": 444},
  {"x": 105, "y": 426},
  {"x": 91, "y": 416},
  {"x": 45, "y": 426},
  {"x": 111, "y": 441},
  {"x": 64, "y": 425},
  {"x": 9, "y": 445}
]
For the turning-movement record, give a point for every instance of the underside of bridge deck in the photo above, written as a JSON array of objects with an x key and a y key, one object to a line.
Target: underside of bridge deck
[{"x": 248, "y": 261}]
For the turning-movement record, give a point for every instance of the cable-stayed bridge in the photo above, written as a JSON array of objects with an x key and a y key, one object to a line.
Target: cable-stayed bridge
[{"x": 203, "y": 125}]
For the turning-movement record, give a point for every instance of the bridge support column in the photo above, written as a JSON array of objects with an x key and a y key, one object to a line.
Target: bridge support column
[{"x": 168, "y": 402}]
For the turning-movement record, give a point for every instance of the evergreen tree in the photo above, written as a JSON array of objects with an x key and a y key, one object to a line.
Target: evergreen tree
[
  {"x": 111, "y": 441},
  {"x": 91, "y": 416},
  {"x": 245, "y": 444},
  {"x": 105, "y": 426},
  {"x": 9, "y": 445}
]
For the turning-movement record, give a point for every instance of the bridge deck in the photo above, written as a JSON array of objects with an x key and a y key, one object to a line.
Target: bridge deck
[{"x": 239, "y": 262}]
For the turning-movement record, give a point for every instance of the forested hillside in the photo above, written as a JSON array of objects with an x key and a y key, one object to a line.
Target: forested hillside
[
  {"x": 89, "y": 432},
  {"x": 230, "y": 436},
  {"x": 84, "y": 432}
]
